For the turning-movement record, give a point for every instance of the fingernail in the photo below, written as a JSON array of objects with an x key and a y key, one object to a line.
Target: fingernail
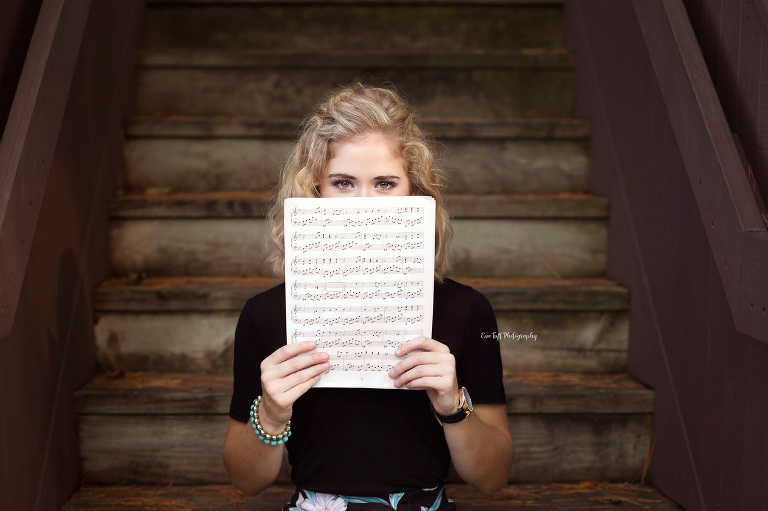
[
  {"x": 397, "y": 352},
  {"x": 391, "y": 372}
]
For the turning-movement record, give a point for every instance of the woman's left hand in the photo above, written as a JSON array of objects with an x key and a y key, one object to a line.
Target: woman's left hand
[{"x": 433, "y": 369}]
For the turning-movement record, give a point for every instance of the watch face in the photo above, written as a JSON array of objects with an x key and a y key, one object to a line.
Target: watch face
[{"x": 467, "y": 398}]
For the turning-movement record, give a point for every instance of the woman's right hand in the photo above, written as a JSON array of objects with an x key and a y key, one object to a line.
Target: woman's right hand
[{"x": 284, "y": 378}]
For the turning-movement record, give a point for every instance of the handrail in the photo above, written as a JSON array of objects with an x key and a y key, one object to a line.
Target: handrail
[
  {"x": 735, "y": 229},
  {"x": 29, "y": 141}
]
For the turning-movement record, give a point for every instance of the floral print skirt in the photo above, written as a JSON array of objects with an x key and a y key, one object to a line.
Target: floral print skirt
[{"x": 428, "y": 499}]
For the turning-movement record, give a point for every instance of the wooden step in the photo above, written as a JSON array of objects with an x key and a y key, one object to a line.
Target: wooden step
[
  {"x": 357, "y": 2},
  {"x": 233, "y": 126},
  {"x": 255, "y": 204},
  {"x": 588, "y": 495},
  {"x": 187, "y": 323},
  {"x": 228, "y": 294},
  {"x": 191, "y": 154},
  {"x": 149, "y": 427},
  {"x": 499, "y": 236},
  {"x": 529, "y": 83},
  {"x": 417, "y": 26}
]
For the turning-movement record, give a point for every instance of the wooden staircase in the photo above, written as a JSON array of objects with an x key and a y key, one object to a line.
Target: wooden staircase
[{"x": 222, "y": 88}]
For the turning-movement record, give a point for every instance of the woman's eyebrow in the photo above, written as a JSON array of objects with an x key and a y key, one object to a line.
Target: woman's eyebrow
[
  {"x": 353, "y": 178},
  {"x": 343, "y": 176}
]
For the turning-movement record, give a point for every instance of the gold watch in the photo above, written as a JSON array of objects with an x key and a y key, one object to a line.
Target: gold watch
[{"x": 465, "y": 408}]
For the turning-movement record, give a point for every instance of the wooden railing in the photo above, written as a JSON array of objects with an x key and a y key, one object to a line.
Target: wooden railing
[
  {"x": 30, "y": 138},
  {"x": 735, "y": 229}
]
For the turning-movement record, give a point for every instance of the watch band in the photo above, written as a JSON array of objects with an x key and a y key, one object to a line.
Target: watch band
[{"x": 465, "y": 408}]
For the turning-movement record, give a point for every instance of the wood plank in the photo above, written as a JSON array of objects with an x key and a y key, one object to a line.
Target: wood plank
[
  {"x": 481, "y": 247},
  {"x": 145, "y": 393},
  {"x": 220, "y": 126},
  {"x": 756, "y": 424},
  {"x": 728, "y": 55},
  {"x": 228, "y": 293},
  {"x": 330, "y": 26},
  {"x": 596, "y": 496},
  {"x": 255, "y": 205},
  {"x": 552, "y": 58},
  {"x": 186, "y": 449},
  {"x": 474, "y": 165},
  {"x": 709, "y": 37},
  {"x": 370, "y": 2},
  {"x": 751, "y": 32},
  {"x": 530, "y": 92},
  {"x": 715, "y": 372},
  {"x": 562, "y": 393},
  {"x": 203, "y": 341}
]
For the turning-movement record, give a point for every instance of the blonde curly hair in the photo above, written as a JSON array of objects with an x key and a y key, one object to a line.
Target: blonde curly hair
[{"x": 347, "y": 114}]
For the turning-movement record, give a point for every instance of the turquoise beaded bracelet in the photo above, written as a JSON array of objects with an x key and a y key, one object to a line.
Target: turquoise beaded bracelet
[{"x": 265, "y": 437}]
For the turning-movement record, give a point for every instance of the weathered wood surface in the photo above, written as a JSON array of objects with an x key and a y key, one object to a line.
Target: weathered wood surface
[
  {"x": 535, "y": 84},
  {"x": 146, "y": 393},
  {"x": 148, "y": 427},
  {"x": 187, "y": 323},
  {"x": 186, "y": 449},
  {"x": 237, "y": 126},
  {"x": 203, "y": 341},
  {"x": 482, "y": 248},
  {"x": 365, "y": 2},
  {"x": 332, "y": 27},
  {"x": 588, "y": 495},
  {"x": 563, "y": 341},
  {"x": 255, "y": 205},
  {"x": 473, "y": 165},
  {"x": 228, "y": 293},
  {"x": 253, "y": 58}
]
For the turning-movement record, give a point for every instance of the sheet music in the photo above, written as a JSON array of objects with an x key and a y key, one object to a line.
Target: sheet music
[{"x": 359, "y": 280}]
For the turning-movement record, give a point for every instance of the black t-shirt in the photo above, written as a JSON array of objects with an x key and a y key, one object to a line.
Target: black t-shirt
[{"x": 371, "y": 441}]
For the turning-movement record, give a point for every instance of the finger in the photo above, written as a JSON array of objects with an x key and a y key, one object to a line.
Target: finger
[
  {"x": 298, "y": 363},
  {"x": 429, "y": 383},
  {"x": 285, "y": 385},
  {"x": 420, "y": 358},
  {"x": 433, "y": 370},
  {"x": 300, "y": 389},
  {"x": 423, "y": 343},
  {"x": 289, "y": 351}
]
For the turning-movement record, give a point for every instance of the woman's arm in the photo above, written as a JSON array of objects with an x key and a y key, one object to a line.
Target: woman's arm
[
  {"x": 481, "y": 445},
  {"x": 252, "y": 464},
  {"x": 482, "y": 448}
]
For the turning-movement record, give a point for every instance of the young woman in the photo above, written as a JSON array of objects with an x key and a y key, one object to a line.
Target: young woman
[{"x": 368, "y": 448}]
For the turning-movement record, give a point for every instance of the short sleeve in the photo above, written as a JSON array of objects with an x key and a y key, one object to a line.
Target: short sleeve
[
  {"x": 247, "y": 366},
  {"x": 480, "y": 368}
]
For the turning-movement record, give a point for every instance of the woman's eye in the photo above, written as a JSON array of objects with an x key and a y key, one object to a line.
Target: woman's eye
[
  {"x": 342, "y": 183},
  {"x": 387, "y": 185}
]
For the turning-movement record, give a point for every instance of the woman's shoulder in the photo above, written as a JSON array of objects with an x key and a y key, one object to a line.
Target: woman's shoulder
[
  {"x": 462, "y": 297},
  {"x": 274, "y": 293},
  {"x": 452, "y": 289},
  {"x": 267, "y": 303}
]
